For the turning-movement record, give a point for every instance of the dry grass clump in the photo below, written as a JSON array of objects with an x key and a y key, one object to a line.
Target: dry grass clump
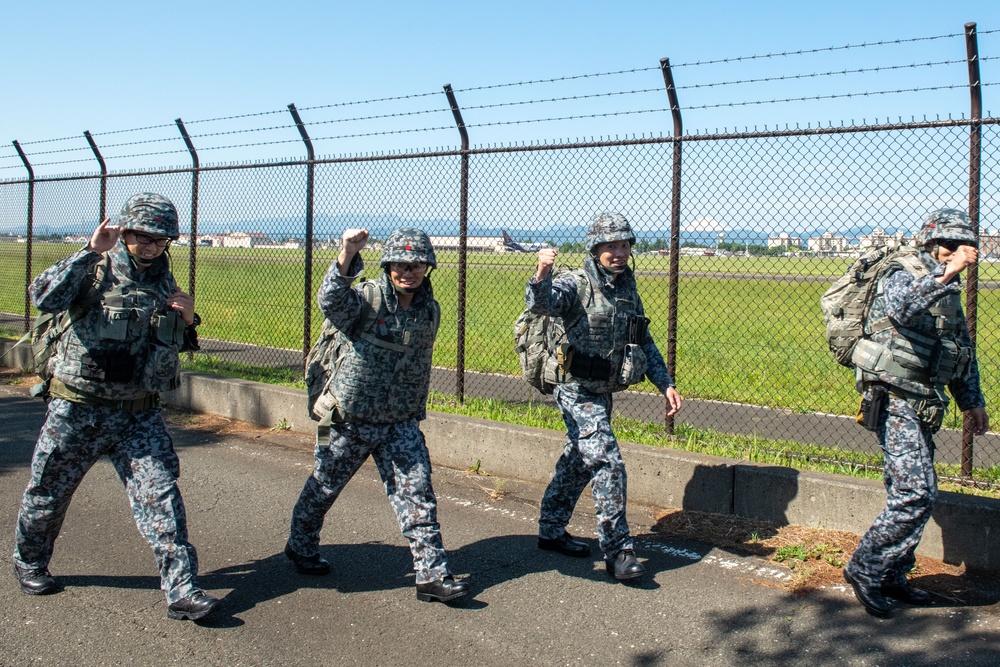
[{"x": 816, "y": 556}]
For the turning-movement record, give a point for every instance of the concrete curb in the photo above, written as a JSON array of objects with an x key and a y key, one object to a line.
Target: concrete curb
[{"x": 964, "y": 529}]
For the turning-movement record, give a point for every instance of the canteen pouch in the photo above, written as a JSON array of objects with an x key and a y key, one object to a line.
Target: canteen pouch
[
  {"x": 168, "y": 328},
  {"x": 633, "y": 365},
  {"x": 161, "y": 369},
  {"x": 638, "y": 329},
  {"x": 930, "y": 414},
  {"x": 114, "y": 324}
]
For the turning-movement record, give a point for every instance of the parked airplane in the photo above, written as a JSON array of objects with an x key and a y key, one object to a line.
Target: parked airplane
[{"x": 511, "y": 244}]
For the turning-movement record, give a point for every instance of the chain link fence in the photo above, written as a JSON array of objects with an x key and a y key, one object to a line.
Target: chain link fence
[
  {"x": 768, "y": 222},
  {"x": 739, "y": 234}
]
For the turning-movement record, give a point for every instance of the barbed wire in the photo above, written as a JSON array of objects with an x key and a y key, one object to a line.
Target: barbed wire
[
  {"x": 538, "y": 101},
  {"x": 793, "y": 77},
  {"x": 802, "y": 52},
  {"x": 829, "y": 97},
  {"x": 781, "y": 54}
]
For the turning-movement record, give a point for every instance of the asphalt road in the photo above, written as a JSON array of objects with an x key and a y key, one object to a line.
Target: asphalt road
[{"x": 699, "y": 606}]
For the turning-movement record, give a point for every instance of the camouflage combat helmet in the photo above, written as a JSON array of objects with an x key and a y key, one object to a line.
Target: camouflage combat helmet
[
  {"x": 947, "y": 224},
  {"x": 150, "y": 213},
  {"x": 408, "y": 245},
  {"x": 606, "y": 227}
]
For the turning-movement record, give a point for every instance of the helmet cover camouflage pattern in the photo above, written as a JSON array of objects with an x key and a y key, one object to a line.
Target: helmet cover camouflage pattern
[
  {"x": 408, "y": 245},
  {"x": 150, "y": 213},
  {"x": 607, "y": 227},
  {"x": 947, "y": 224}
]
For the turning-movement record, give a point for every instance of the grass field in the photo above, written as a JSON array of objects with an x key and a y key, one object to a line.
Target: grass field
[{"x": 750, "y": 338}]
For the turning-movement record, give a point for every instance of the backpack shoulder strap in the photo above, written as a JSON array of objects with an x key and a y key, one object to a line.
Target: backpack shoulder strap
[
  {"x": 95, "y": 290},
  {"x": 374, "y": 302},
  {"x": 584, "y": 297}
]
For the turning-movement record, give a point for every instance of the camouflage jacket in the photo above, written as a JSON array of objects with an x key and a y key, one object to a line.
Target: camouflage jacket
[
  {"x": 122, "y": 345},
  {"x": 603, "y": 332},
  {"x": 382, "y": 373}
]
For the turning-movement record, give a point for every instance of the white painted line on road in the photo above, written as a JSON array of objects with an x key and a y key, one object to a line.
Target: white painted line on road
[{"x": 747, "y": 567}]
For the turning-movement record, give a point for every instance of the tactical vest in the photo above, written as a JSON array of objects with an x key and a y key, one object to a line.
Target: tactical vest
[
  {"x": 606, "y": 340},
  {"x": 125, "y": 346},
  {"x": 929, "y": 352},
  {"x": 381, "y": 374}
]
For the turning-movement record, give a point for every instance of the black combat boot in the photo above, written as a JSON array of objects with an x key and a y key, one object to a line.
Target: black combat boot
[
  {"x": 314, "y": 565},
  {"x": 624, "y": 566},
  {"x": 904, "y": 592},
  {"x": 35, "y": 581},
  {"x": 197, "y": 605},
  {"x": 565, "y": 545},
  {"x": 870, "y": 596},
  {"x": 442, "y": 590}
]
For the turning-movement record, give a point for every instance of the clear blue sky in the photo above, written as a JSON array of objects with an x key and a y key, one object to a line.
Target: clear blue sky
[{"x": 111, "y": 65}]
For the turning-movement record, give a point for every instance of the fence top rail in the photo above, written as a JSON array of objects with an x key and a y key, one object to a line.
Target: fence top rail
[{"x": 486, "y": 150}]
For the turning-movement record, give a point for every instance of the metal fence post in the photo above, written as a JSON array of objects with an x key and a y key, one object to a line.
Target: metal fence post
[
  {"x": 310, "y": 174},
  {"x": 975, "y": 162},
  {"x": 193, "y": 235},
  {"x": 29, "y": 235},
  {"x": 463, "y": 233},
  {"x": 102, "y": 209},
  {"x": 675, "y": 229}
]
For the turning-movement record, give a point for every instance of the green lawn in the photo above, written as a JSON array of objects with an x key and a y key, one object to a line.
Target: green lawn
[{"x": 756, "y": 341}]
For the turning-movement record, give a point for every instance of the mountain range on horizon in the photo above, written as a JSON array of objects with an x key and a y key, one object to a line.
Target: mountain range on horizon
[{"x": 381, "y": 226}]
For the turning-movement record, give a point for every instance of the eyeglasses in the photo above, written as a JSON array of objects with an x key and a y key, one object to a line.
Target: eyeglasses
[
  {"x": 951, "y": 246},
  {"x": 415, "y": 267},
  {"x": 146, "y": 239}
]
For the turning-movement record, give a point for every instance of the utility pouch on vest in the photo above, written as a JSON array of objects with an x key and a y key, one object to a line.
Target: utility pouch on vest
[
  {"x": 951, "y": 361},
  {"x": 160, "y": 371},
  {"x": 585, "y": 367},
  {"x": 107, "y": 366},
  {"x": 633, "y": 365},
  {"x": 873, "y": 402},
  {"x": 638, "y": 329},
  {"x": 913, "y": 351},
  {"x": 168, "y": 328},
  {"x": 114, "y": 324}
]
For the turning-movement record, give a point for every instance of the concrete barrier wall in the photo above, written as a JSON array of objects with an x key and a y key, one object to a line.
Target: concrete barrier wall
[{"x": 964, "y": 529}]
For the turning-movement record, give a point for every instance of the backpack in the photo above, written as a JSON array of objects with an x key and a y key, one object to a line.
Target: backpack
[
  {"x": 48, "y": 328},
  {"x": 540, "y": 341},
  {"x": 847, "y": 303},
  {"x": 321, "y": 362}
]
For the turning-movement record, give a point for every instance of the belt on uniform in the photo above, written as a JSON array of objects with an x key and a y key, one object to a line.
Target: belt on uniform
[{"x": 59, "y": 389}]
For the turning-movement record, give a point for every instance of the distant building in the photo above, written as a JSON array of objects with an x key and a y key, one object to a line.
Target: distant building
[
  {"x": 827, "y": 243},
  {"x": 879, "y": 238},
  {"x": 989, "y": 243},
  {"x": 473, "y": 243},
  {"x": 246, "y": 240},
  {"x": 784, "y": 240}
]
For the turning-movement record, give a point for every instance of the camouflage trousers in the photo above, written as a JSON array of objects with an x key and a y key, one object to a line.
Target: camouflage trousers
[
  {"x": 886, "y": 552},
  {"x": 591, "y": 455},
  {"x": 73, "y": 437},
  {"x": 404, "y": 465}
]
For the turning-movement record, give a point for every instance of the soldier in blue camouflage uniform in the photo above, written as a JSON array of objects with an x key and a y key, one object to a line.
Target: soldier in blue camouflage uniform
[
  {"x": 129, "y": 321},
  {"x": 375, "y": 401},
  {"x": 610, "y": 349},
  {"x": 916, "y": 344}
]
